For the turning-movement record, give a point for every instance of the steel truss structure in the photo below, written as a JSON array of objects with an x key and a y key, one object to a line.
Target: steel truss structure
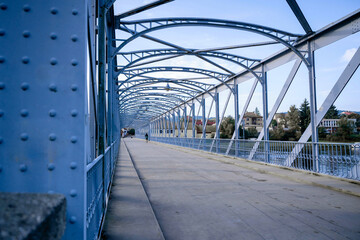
[{"x": 68, "y": 87}]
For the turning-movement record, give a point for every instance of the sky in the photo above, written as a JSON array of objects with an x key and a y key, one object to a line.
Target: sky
[{"x": 330, "y": 60}]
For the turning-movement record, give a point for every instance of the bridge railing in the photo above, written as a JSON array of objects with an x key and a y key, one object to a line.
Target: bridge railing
[
  {"x": 336, "y": 159},
  {"x": 99, "y": 177}
]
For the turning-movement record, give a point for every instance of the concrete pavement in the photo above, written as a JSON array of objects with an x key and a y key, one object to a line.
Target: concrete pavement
[{"x": 197, "y": 195}]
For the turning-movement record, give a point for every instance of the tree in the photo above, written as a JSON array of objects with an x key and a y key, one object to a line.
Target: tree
[
  {"x": 257, "y": 112},
  {"x": 131, "y": 131},
  {"x": 293, "y": 122},
  {"x": 227, "y": 127},
  {"x": 332, "y": 113},
  {"x": 252, "y": 132},
  {"x": 304, "y": 115}
]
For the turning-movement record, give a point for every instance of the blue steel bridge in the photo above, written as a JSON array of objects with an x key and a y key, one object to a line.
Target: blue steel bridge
[{"x": 69, "y": 87}]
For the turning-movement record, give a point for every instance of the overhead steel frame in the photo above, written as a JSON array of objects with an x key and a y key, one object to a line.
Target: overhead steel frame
[
  {"x": 59, "y": 119},
  {"x": 300, "y": 48}
]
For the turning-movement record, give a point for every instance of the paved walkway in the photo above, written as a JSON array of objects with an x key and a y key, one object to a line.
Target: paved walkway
[{"x": 196, "y": 195}]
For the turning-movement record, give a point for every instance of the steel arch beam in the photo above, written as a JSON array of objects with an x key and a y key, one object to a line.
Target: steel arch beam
[{"x": 150, "y": 25}]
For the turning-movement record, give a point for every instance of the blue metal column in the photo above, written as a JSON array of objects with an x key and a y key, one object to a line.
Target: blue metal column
[
  {"x": 203, "y": 117},
  {"x": 173, "y": 123},
  {"x": 313, "y": 106},
  {"x": 185, "y": 122},
  {"x": 178, "y": 122},
  {"x": 43, "y": 102},
  {"x": 265, "y": 113},
  {"x": 236, "y": 106},
  {"x": 217, "y": 117},
  {"x": 193, "y": 120}
]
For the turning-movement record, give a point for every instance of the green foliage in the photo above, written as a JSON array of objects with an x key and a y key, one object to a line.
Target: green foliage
[
  {"x": 304, "y": 115},
  {"x": 227, "y": 127},
  {"x": 322, "y": 132},
  {"x": 131, "y": 131},
  {"x": 252, "y": 132},
  {"x": 257, "y": 111},
  {"x": 332, "y": 113}
]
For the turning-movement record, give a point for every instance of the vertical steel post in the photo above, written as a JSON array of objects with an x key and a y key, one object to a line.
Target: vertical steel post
[
  {"x": 217, "y": 117},
  {"x": 265, "y": 113},
  {"x": 193, "y": 120},
  {"x": 185, "y": 121},
  {"x": 178, "y": 123},
  {"x": 203, "y": 117},
  {"x": 236, "y": 106},
  {"x": 313, "y": 105},
  {"x": 173, "y": 123}
]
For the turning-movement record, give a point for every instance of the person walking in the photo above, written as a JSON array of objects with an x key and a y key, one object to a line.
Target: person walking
[{"x": 146, "y": 137}]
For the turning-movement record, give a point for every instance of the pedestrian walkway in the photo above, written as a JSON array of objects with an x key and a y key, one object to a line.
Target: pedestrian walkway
[{"x": 198, "y": 195}]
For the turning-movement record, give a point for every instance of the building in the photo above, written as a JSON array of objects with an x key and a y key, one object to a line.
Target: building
[
  {"x": 253, "y": 120},
  {"x": 331, "y": 125}
]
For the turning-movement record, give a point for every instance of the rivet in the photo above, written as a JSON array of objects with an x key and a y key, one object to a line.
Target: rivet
[
  {"x": 2, "y": 85},
  {"x": 3, "y": 6},
  {"x": 24, "y": 86},
  {"x": 26, "y": 8},
  {"x": 25, "y": 60},
  {"x": 75, "y": 12},
  {"x": 74, "y": 62},
  {"x": 74, "y": 112},
  {"x": 52, "y": 87},
  {"x": 74, "y": 38},
  {"x": 54, "y": 11},
  {"x": 2, "y": 32},
  {"x": 73, "y": 165},
  {"x": 73, "y": 193},
  {"x": 26, "y": 34},
  {"x": 51, "y": 166},
  {"x": 2, "y": 59},
  {"x": 74, "y": 87},
  {"x": 24, "y": 136},
  {"x": 23, "y": 167},
  {"x": 52, "y": 113},
  {"x": 24, "y": 112},
  {"x": 53, "y": 61},
  {"x": 1, "y": 140},
  {"x": 52, "y": 137},
  {"x": 1, "y": 113},
  {"x": 73, "y": 139},
  {"x": 1, "y": 168},
  {"x": 53, "y": 36},
  {"x": 72, "y": 219}
]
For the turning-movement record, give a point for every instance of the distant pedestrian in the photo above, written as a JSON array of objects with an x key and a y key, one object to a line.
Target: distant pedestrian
[{"x": 146, "y": 137}]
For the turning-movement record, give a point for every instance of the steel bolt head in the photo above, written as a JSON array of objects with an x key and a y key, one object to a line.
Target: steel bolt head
[
  {"x": 26, "y": 8},
  {"x": 52, "y": 137},
  {"x": 52, "y": 113},
  {"x": 2, "y": 59},
  {"x": 72, "y": 219},
  {"x": 1, "y": 113},
  {"x": 73, "y": 139},
  {"x": 74, "y": 87},
  {"x": 75, "y": 12},
  {"x": 53, "y": 36},
  {"x": 25, "y": 60},
  {"x": 2, "y": 85},
  {"x": 54, "y": 11},
  {"x": 74, "y": 62},
  {"x": 73, "y": 165},
  {"x": 74, "y": 38},
  {"x": 52, "y": 87},
  {"x": 24, "y": 136},
  {"x": 3, "y": 6},
  {"x": 2, "y": 32},
  {"x": 53, "y": 61},
  {"x": 1, "y": 140},
  {"x": 26, "y": 34},
  {"x": 23, "y": 167},
  {"x": 73, "y": 193},
  {"x": 24, "y": 86},
  {"x": 24, "y": 112},
  {"x": 51, "y": 166},
  {"x": 74, "y": 112}
]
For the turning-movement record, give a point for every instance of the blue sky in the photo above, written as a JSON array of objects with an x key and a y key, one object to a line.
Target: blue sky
[{"x": 330, "y": 61}]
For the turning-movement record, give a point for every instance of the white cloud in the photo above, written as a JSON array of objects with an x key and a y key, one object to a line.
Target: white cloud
[{"x": 348, "y": 55}]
